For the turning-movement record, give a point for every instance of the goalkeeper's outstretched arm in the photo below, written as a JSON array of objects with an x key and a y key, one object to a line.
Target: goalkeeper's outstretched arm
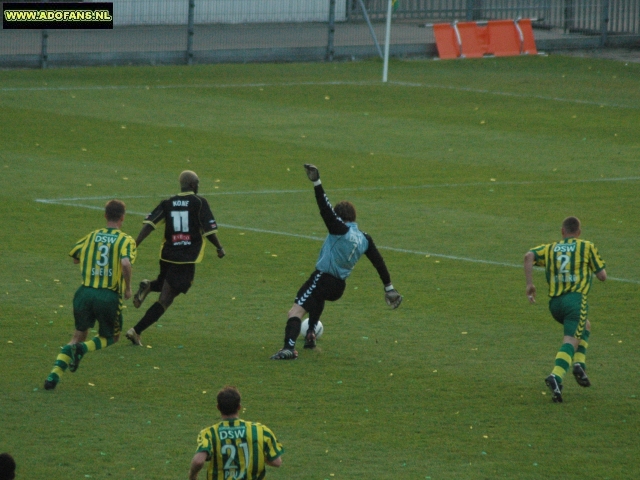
[
  {"x": 391, "y": 295},
  {"x": 334, "y": 223},
  {"x": 374, "y": 256}
]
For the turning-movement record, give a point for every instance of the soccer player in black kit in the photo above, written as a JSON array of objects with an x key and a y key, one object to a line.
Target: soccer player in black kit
[{"x": 187, "y": 218}]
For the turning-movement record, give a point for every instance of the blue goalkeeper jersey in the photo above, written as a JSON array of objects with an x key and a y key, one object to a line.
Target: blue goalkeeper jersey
[
  {"x": 345, "y": 244},
  {"x": 340, "y": 253}
]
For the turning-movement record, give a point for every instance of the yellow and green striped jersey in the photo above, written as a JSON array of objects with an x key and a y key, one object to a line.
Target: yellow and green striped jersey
[
  {"x": 237, "y": 449},
  {"x": 100, "y": 254},
  {"x": 569, "y": 265}
]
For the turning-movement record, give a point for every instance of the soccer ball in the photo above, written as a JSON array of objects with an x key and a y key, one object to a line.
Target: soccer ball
[{"x": 305, "y": 326}]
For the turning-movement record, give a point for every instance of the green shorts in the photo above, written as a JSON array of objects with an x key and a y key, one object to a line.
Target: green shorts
[
  {"x": 571, "y": 311},
  {"x": 101, "y": 304}
]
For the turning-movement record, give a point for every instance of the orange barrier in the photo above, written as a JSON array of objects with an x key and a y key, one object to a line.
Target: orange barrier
[
  {"x": 474, "y": 39},
  {"x": 504, "y": 39},
  {"x": 528, "y": 41},
  {"x": 499, "y": 38},
  {"x": 446, "y": 41}
]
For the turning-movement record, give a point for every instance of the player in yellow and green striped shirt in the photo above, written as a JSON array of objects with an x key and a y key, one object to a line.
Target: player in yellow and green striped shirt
[
  {"x": 569, "y": 266},
  {"x": 105, "y": 257},
  {"x": 235, "y": 448}
]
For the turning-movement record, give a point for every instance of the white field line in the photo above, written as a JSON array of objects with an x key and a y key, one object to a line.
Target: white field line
[
  {"x": 319, "y": 84},
  {"x": 354, "y": 189},
  {"x": 72, "y": 203},
  {"x": 517, "y": 95}
]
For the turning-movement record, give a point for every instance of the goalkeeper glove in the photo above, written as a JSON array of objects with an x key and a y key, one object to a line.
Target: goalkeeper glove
[
  {"x": 312, "y": 172},
  {"x": 392, "y": 297}
]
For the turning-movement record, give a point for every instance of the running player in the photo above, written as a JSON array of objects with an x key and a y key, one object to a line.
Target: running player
[
  {"x": 105, "y": 257},
  {"x": 340, "y": 252},
  {"x": 187, "y": 219},
  {"x": 235, "y": 448},
  {"x": 569, "y": 267}
]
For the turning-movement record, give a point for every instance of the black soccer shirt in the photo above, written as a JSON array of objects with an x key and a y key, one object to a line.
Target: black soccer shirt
[{"x": 188, "y": 219}]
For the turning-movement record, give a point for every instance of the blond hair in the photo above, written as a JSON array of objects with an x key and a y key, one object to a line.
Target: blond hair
[{"x": 188, "y": 179}]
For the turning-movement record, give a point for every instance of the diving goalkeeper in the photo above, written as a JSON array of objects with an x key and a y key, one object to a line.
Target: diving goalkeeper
[{"x": 340, "y": 252}]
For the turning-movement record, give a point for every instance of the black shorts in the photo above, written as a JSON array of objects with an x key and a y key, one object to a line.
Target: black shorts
[
  {"x": 179, "y": 275},
  {"x": 320, "y": 287}
]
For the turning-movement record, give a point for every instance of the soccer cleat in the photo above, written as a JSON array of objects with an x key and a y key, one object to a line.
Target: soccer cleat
[
  {"x": 555, "y": 387},
  {"x": 134, "y": 337},
  {"x": 310, "y": 340},
  {"x": 141, "y": 294},
  {"x": 49, "y": 384},
  {"x": 76, "y": 356},
  {"x": 580, "y": 375},
  {"x": 285, "y": 354}
]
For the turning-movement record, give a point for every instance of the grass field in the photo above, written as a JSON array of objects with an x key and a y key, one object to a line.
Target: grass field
[{"x": 456, "y": 169}]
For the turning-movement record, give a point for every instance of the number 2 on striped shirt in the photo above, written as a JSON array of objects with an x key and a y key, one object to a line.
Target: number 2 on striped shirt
[
  {"x": 564, "y": 262},
  {"x": 231, "y": 451}
]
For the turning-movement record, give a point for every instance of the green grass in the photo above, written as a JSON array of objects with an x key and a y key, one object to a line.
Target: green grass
[{"x": 450, "y": 165}]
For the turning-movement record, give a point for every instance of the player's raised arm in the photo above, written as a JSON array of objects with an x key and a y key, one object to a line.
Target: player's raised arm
[
  {"x": 391, "y": 295},
  {"x": 334, "y": 223}
]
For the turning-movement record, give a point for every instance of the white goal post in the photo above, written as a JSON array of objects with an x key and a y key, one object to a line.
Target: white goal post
[{"x": 387, "y": 40}]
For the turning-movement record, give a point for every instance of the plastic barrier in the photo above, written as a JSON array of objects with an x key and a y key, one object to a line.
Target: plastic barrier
[
  {"x": 498, "y": 38},
  {"x": 504, "y": 38},
  {"x": 446, "y": 40},
  {"x": 474, "y": 39},
  {"x": 528, "y": 41}
]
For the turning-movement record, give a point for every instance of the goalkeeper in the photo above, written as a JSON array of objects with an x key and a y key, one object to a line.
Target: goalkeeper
[{"x": 340, "y": 252}]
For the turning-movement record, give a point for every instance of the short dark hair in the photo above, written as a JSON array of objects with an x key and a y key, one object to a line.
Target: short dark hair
[
  {"x": 346, "y": 211},
  {"x": 229, "y": 400},
  {"x": 7, "y": 467},
  {"x": 114, "y": 210},
  {"x": 571, "y": 225}
]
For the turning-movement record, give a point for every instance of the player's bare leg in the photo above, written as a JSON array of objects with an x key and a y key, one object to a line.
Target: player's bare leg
[
  {"x": 153, "y": 314},
  {"x": 79, "y": 336}
]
